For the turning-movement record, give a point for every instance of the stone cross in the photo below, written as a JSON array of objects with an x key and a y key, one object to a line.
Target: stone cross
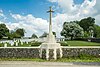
[
  {"x": 50, "y": 37},
  {"x": 50, "y": 46},
  {"x": 50, "y": 24}
]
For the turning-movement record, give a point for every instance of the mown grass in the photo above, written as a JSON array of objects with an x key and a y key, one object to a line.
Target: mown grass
[
  {"x": 58, "y": 60},
  {"x": 79, "y": 43}
]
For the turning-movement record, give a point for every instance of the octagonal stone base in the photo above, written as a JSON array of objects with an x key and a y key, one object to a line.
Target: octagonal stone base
[{"x": 50, "y": 51}]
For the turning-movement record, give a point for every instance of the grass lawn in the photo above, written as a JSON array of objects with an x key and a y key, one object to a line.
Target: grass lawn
[
  {"x": 58, "y": 60},
  {"x": 79, "y": 43},
  {"x": 63, "y": 43}
]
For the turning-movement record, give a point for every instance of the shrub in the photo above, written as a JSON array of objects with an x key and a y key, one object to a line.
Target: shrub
[
  {"x": 85, "y": 56},
  {"x": 35, "y": 43}
]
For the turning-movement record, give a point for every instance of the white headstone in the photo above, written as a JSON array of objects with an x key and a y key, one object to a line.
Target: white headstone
[
  {"x": 26, "y": 42},
  {"x": 16, "y": 43},
  {"x": 21, "y": 43},
  {"x": 5, "y": 44},
  {"x": 12, "y": 44}
]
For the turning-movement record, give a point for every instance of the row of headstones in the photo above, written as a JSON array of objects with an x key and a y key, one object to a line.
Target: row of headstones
[
  {"x": 15, "y": 43},
  {"x": 59, "y": 40}
]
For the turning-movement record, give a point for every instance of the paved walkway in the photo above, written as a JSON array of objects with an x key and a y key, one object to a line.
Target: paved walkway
[{"x": 45, "y": 64}]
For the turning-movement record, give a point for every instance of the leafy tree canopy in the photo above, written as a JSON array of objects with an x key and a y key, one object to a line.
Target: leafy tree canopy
[
  {"x": 71, "y": 29},
  {"x": 86, "y": 23},
  {"x": 3, "y": 30},
  {"x": 44, "y": 35},
  {"x": 20, "y": 32},
  {"x": 34, "y": 36}
]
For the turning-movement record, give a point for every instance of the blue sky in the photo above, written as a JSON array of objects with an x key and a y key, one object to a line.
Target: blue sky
[
  {"x": 32, "y": 16},
  {"x": 37, "y": 8}
]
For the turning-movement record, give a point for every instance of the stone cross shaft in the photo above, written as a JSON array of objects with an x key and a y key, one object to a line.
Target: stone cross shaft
[{"x": 50, "y": 24}]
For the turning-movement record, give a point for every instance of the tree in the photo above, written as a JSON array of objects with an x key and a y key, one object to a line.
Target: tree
[
  {"x": 3, "y": 30},
  {"x": 44, "y": 35},
  {"x": 71, "y": 29},
  {"x": 86, "y": 23},
  {"x": 34, "y": 36},
  {"x": 96, "y": 31},
  {"x": 18, "y": 33}
]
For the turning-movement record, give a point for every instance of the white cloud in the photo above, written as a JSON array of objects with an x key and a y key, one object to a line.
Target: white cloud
[
  {"x": 1, "y": 22},
  {"x": 65, "y": 5},
  {"x": 1, "y": 13},
  {"x": 29, "y": 23},
  {"x": 2, "y": 16},
  {"x": 97, "y": 18}
]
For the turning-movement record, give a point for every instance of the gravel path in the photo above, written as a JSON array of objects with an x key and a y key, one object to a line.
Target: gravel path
[{"x": 45, "y": 64}]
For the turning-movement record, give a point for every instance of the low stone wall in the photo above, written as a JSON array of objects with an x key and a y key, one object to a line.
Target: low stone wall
[
  {"x": 19, "y": 52},
  {"x": 33, "y": 52},
  {"x": 77, "y": 51}
]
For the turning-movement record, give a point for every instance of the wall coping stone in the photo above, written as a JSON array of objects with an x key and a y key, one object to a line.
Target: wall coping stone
[
  {"x": 61, "y": 47},
  {"x": 80, "y": 46},
  {"x": 19, "y": 47}
]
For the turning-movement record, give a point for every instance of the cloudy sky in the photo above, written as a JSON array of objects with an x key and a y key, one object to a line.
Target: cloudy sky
[{"x": 33, "y": 17}]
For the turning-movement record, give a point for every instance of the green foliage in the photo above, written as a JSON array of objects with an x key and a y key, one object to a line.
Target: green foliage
[
  {"x": 71, "y": 29},
  {"x": 35, "y": 43},
  {"x": 17, "y": 34},
  {"x": 96, "y": 31},
  {"x": 3, "y": 30},
  {"x": 89, "y": 27},
  {"x": 86, "y": 34},
  {"x": 10, "y": 35},
  {"x": 34, "y": 36},
  {"x": 86, "y": 23},
  {"x": 44, "y": 35},
  {"x": 85, "y": 56},
  {"x": 78, "y": 60},
  {"x": 20, "y": 32},
  {"x": 1, "y": 45}
]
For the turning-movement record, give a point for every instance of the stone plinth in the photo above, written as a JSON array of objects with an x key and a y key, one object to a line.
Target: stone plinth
[{"x": 50, "y": 49}]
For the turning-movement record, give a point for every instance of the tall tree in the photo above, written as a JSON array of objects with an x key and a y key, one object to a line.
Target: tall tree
[
  {"x": 34, "y": 36},
  {"x": 44, "y": 35},
  {"x": 86, "y": 23},
  {"x": 71, "y": 29},
  {"x": 3, "y": 30},
  {"x": 20, "y": 32}
]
